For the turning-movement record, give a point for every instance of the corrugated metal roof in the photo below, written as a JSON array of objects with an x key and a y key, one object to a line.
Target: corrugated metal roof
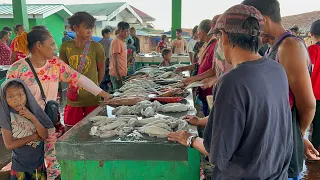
[
  {"x": 101, "y": 9},
  {"x": 303, "y": 21},
  {"x": 36, "y": 9}
]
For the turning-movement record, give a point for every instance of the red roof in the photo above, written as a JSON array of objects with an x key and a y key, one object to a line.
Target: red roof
[
  {"x": 303, "y": 21},
  {"x": 143, "y": 15}
]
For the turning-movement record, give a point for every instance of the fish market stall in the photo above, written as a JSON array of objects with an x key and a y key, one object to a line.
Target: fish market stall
[
  {"x": 156, "y": 59},
  {"x": 126, "y": 137}
]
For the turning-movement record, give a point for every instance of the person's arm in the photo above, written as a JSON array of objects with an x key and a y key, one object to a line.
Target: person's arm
[
  {"x": 71, "y": 76},
  {"x": 41, "y": 130},
  {"x": 101, "y": 62},
  {"x": 11, "y": 143},
  {"x": 198, "y": 144},
  {"x": 185, "y": 68},
  {"x": 173, "y": 46},
  {"x": 294, "y": 59},
  {"x": 117, "y": 68},
  {"x": 13, "y": 57}
]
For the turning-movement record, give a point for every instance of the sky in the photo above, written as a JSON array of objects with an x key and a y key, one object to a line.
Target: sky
[{"x": 193, "y": 11}]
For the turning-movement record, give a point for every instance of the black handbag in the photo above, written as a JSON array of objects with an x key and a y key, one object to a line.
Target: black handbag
[{"x": 51, "y": 107}]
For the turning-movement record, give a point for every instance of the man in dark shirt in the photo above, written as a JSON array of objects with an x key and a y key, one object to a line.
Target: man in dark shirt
[
  {"x": 248, "y": 135},
  {"x": 135, "y": 38}
]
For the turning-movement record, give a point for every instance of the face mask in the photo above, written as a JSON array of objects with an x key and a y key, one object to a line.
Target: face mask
[{"x": 219, "y": 52}]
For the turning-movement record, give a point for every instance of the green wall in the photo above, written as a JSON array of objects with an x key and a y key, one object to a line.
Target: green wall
[{"x": 54, "y": 23}]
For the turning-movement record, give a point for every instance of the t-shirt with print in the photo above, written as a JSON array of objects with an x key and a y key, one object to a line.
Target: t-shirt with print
[
  {"x": 179, "y": 46},
  {"x": 53, "y": 72},
  {"x": 119, "y": 47},
  {"x": 25, "y": 158},
  {"x": 19, "y": 55},
  {"x": 251, "y": 108},
  {"x": 5, "y": 54},
  {"x": 70, "y": 54}
]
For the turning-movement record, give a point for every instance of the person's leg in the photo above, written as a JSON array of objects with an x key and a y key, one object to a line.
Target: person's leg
[
  {"x": 72, "y": 115},
  {"x": 53, "y": 167},
  {"x": 316, "y": 128}
]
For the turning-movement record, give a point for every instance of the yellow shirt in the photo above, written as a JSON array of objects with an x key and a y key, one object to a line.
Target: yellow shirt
[{"x": 70, "y": 54}]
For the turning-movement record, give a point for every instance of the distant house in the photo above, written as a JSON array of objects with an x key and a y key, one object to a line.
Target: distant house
[
  {"x": 110, "y": 14},
  {"x": 51, "y": 15},
  {"x": 303, "y": 21}
]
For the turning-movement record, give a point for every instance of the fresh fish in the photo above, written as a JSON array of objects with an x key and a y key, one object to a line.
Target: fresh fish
[
  {"x": 155, "y": 131},
  {"x": 109, "y": 134},
  {"x": 111, "y": 126}
]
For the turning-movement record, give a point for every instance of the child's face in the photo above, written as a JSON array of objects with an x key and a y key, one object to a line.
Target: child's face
[
  {"x": 107, "y": 35},
  {"x": 16, "y": 98},
  {"x": 168, "y": 56}
]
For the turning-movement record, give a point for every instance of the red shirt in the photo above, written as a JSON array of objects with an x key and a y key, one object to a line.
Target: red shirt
[
  {"x": 5, "y": 54},
  {"x": 314, "y": 52},
  {"x": 19, "y": 55},
  {"x": 204, "y": 65}
]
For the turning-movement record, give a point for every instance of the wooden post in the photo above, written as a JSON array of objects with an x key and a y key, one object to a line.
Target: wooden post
[
  {"x": 176, "y": 17},
  {"x": 20, "y": 14}
]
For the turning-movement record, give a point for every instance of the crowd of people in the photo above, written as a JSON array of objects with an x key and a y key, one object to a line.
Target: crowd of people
[{"x": 264, "y": 100}]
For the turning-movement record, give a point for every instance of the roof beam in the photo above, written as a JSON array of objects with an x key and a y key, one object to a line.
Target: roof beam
[{"x": 20, "y": 14}]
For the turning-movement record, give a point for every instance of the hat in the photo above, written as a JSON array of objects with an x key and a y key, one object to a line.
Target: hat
[
  {"x": 232, "y": 20},
  {"x": 213, "y": 24},
  {"x": 315, "y": 28}
]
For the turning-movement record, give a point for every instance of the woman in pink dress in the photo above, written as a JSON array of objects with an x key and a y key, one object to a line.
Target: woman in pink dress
[{"x": 5, "y": 52}]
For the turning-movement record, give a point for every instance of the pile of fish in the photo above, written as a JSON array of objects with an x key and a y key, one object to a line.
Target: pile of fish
[
  {"x": 149, "y": 109},
  {"x": 133, "y": 126}
]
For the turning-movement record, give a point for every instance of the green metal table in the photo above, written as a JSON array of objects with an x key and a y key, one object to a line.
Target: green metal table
[{"x": 84, "y": 157}]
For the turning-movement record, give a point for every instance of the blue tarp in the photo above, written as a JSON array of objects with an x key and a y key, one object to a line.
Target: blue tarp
[{"x": 73, "y": 35}]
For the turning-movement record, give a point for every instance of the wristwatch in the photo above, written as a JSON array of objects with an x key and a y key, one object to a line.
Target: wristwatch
[{"x": 190, "y": 140}]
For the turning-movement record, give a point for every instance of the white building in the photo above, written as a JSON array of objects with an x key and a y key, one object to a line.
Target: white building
[{"x": 110, "y": 14}]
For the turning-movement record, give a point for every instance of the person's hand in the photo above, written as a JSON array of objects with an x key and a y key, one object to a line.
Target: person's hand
[
  {"x": 27, "y": 114},
  {"x": 106, "y": 96},
  {"x": 178, "y": 70},
  {"x": 188, "y": 81},
  {"x": 179, "y": 136},
  {"x": 310, "y": 151},
  {"x": 193, "y": 120},
  {"x": 207, "y": 83},
  {"x": 36, "y": 137}
]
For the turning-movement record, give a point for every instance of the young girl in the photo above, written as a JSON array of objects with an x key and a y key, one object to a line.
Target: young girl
[
  {"x": 163, "y": 44},
  {"x": 24, "y": 126}
]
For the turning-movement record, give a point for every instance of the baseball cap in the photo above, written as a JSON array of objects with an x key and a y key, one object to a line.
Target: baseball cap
[
  {"x": 213, "y": 24},
  {"x": 232, "y": 20},
  {"x": 315, "y": 28}
]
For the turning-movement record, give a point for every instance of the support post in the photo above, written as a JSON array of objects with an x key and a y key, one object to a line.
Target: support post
[
  {"x": 20, "y": 14},
  {"x": 176, "y": 17}
]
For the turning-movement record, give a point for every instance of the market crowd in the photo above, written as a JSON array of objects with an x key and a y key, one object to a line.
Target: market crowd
[{"x": 263, "y": 79}]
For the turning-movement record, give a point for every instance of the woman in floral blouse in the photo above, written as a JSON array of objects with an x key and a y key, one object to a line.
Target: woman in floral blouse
[{"x": 51, "y": 71}]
